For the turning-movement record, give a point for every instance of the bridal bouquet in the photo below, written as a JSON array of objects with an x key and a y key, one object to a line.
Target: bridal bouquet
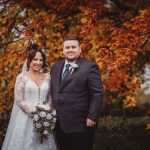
[{"x": 44, "y": 121}]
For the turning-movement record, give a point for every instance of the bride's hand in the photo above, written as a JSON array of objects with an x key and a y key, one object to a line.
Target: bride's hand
[
  {"x": 30, "y": 113},
  {"x": 43, "y": 107}
]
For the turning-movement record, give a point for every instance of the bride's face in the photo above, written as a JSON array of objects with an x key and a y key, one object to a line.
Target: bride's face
[{"x": 36, "y": 62}]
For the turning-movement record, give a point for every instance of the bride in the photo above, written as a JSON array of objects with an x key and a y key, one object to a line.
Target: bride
[{"x": 32, "y": 87}]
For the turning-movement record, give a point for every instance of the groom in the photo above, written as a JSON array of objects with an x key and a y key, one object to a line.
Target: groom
[{"x": 77, "y": 97}]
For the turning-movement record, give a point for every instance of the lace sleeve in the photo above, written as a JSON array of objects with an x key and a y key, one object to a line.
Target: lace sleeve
[{"x": 19, "y": 94}]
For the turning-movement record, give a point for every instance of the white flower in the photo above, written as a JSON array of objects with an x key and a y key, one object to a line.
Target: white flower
[
  {"x": 42, "y": 114},
  {"x": 54, "y": 112},
  {"x": 45, "y": 132},
  {"x": 46, "y": 124},
  {"x": 54, "y": 120},
  {"x": 49, "y": 116},
  {"x": 36, "y": 117},
  {"x": 38, "y": 125},
  {"x": 74, "y": 66}
]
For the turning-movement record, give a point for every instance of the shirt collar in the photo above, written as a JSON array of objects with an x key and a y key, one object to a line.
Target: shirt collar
[{"x": 71, "y": 63}]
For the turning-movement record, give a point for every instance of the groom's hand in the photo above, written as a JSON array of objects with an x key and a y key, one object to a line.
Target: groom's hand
[{"x": 90, "y": 123}]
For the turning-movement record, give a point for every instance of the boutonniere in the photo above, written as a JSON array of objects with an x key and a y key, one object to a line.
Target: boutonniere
[{"x": 74, "y": 67}]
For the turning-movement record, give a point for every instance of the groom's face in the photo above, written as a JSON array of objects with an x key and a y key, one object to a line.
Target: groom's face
[{"x": 71, "y": 50}]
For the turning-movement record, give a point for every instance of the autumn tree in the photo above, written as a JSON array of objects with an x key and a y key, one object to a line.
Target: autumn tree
[{"x": 114, "y": 33}]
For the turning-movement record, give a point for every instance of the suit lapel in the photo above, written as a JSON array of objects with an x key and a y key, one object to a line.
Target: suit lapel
[
  {"x": 70, "y": 75},
  {"x": 59, "y": 71}
]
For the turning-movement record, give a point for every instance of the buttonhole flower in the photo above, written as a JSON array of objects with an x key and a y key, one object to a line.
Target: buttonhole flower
[{"x": 74, "y": 67}]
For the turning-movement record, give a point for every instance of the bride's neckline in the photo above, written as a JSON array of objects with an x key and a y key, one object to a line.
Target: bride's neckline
[{"x": 38, "y": 85}]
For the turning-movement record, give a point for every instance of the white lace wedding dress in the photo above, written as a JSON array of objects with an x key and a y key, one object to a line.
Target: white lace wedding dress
[{"x": 20, "y": 134}]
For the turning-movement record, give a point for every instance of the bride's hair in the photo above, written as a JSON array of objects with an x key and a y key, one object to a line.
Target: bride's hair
[{"x": 31, "y": 52}]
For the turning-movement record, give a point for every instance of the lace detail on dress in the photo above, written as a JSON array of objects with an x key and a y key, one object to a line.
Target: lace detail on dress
[
  {"x": 19, "y": 93},
  {"x": 20, "y": 133},
  {"x": 49, "y": 97}
]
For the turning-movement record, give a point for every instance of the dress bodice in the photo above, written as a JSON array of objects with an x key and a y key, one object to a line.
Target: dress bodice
[
  {"x": 20, "y": 133},
  {"x": 28, "y": 94},
  {"x": 34, "y": 94}
]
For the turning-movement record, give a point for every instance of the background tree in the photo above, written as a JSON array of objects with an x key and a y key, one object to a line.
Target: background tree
[{"x": 114, "y": 33}]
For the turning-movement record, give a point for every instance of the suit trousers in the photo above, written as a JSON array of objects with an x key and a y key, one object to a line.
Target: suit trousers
[{"x": 74, "y": 141}]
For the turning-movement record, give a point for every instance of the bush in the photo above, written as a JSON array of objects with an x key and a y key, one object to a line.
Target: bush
[
  {"x": 117, "y": 110},
  {"x": 4, "y": 120},
  {"x": 113, "y": 133}
]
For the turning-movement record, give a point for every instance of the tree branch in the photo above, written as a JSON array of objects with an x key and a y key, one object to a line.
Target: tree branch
[
  {"x": 3, "y": 44},
  {"x": 120, "y": 5},
  {"x": 11, "y": 26},
  {"x": 146, "y": 41}
]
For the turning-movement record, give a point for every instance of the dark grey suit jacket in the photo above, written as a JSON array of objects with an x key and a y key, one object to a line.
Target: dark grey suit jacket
[{"x": 78, "y": 96}]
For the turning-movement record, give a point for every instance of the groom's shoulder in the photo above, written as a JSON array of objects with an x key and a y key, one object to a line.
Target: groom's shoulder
[
  {"x": 88, "y": 62},
  {"x": 58, "y": 62}
]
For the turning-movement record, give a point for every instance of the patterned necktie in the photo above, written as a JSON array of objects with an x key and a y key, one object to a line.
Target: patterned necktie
[{"x": 66, "y": 71}]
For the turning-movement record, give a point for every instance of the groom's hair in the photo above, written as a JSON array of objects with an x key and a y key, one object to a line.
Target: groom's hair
[{"x": 68, "y": 38}]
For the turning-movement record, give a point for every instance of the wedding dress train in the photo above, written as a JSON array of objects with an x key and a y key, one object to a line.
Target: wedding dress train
[{"x": 20, "y": 134}]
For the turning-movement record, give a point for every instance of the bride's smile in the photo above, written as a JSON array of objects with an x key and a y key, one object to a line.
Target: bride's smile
[
  {"x": 32, "y": 87},
  {"x": 37, "y": 62}
]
